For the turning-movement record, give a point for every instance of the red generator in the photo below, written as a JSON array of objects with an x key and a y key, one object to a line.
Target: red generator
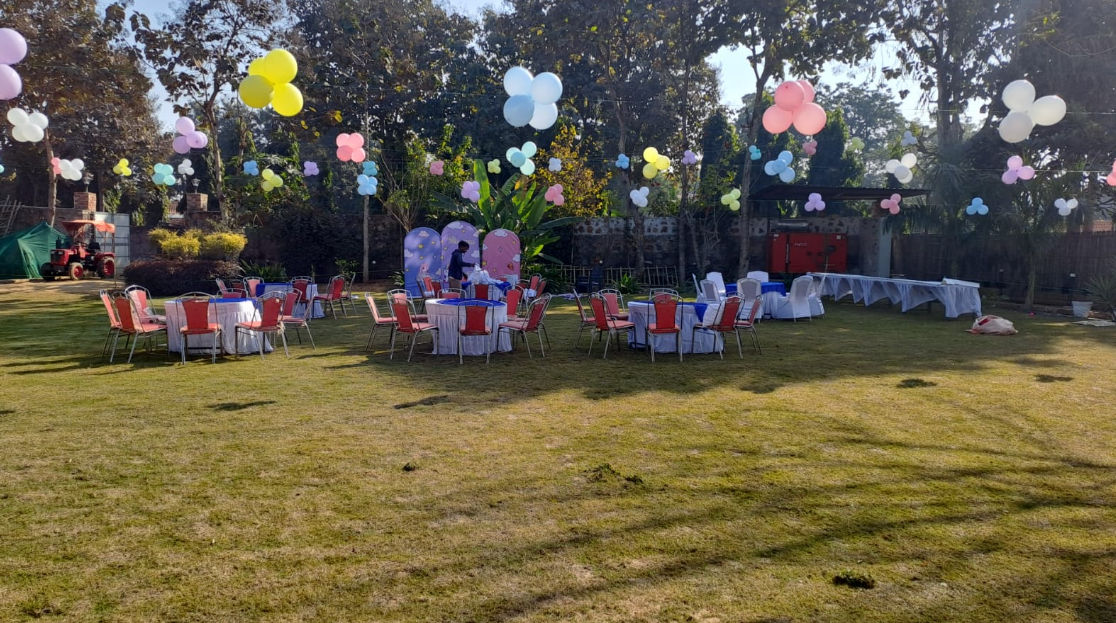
[{"x": 798, "y": 253}]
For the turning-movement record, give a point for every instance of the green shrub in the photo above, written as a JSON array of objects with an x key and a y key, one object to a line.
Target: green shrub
[
  {"x": 171, "y": 277},
  {"x": 270, "y": 272},
  {"x": 160, "y": 235},
  {"x": 181, "y": 247},
  {"x": 193, "y": 233},
  {"x": 222, "y": 246}
]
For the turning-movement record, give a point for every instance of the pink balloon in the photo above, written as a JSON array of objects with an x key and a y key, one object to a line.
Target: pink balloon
[
  {"x": 559, "y": 200},
  {"x": 808, "y": 89},
  {"x": 789, "y": 96},
  {"x": 11, "y": 85},
  {"x": 197, "y": 140},
  {"x": 1015, "y": 162},
  {"x": 184, "y": 125},
  {"x": 896, "y": 197},
  {"x": 180, "y": 145},
  {"x": 358, "y": 154},
  {"x": 344, "y": 152},
  {"x": 1009, "y": 176},
  {"x": 1111, "y": 179},
  {"x": 809, "y": 119},
  {"x": 56, "y": 164},
  {"x": 342, "y": 140},
  {"x": 13, "y": 47},
  {"x": 1026, "y": 173},
  {"x": 776, "y": 120}
]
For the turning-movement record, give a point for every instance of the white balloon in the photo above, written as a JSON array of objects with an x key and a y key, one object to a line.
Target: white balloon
[
  {"x": 517, "y": 81},
  {"x": 546, "y": 88},
  {"x": 18, "y": 134},
  {"x": 545, "y": 115},
  {"x": 891, "y": 166},
  {"x": 17, "y": 116},
  {"x": 1060, "y": 203},
  {"x": 518, "y": 110},
  {"x": 1048, "y": 110},
  {"x": 1071, "y": 204},
  {"x": 78, "y": 163},
  {"x": 1016, "y": 127},
  {"x": 907, "y": 179},
  {"x": 39, "y": 119},
  {"x": 900, "y": 172},
  {"x": 1019, "y": 95},
  {"x": 909, "y": 160},
  {"x": 33, "y": 133}
]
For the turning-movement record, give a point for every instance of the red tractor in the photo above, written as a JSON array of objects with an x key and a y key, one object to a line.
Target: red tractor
[{"x": 75, "y": 258}]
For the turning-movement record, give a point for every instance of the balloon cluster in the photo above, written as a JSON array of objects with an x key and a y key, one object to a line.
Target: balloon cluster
[
  {"x": 794, "y": 104},
  {"x": 13, "y": 47},
  {"x": 494, "y": 166},
  {"x": 1, "y": 168},
  {"x": 438, "y": 167},
  {"x": 855, "y": 144},
  {"x": 555, "y": 165},
  {"x": 901, "y": 168},
  {"x": 554, "y": 195},
  {"x": 270, "y": 180},
  {"x": 309, "y": 168},
  {"x": 754, "y": 152},
  {"x": 521, "y": 157},
  {"x": 1111, "y": 179},
  {"x": 370, "y": 168},
  {"x": 731, "y": 199},
  {"x": 367, "y": 183},
  {"x": 639, "y": 196},
  {"x": 188, "y": 137},
  {"x": 252, "y": 167},
  {"x": 1016, "y": 171},
  {"x": 27, "y": 128},
  {"x": 122, "y": 168},
  {"x": 810, "y": 147},
  {"x": 1027, "y": 112},
  {"x": 781, "y": 166},
  {"x": 623, "y": 161},
  {"x": 350, "y": 147},
  {"x": 892, "y": 204},
  {"x": 186, "y": 167},
  {"x": 533, "y": 99},
  {"x": 908, "y": 139},
  {"x": 471, "y": 191},
  {"x": 977, "y": 206},
  {"x": 1065, "y": 206},
  {"x": 269, "y": 82},
  {"x": 814, "y": 203},
  {"x": 656, "y": 163},
  {"x": 689, "y": 158},
  {"x": 163, "y": 175},
  {"x": 68, "y": 169}
]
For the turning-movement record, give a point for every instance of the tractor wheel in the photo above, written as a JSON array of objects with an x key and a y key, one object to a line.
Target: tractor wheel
[
  {"x": 107, "y": 269},
  {"x": 47, "y": 271},
  {"x": 77, "y": 271}
]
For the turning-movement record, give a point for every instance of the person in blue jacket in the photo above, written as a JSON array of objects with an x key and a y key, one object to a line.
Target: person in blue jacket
[{"x": 457, "y": 264}]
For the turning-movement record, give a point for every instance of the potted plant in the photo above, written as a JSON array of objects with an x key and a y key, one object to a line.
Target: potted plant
[{"x": 1102, "y": 289}]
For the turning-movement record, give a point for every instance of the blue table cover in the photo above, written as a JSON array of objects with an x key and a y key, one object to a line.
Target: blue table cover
[
  {"x": 232, "y": 300},
  {"x": 699, "y": 308},
  {"x": 477, "y": 302},
  {"x": 503, "y": 285},
  {"x": 261, "y": 286},
  {"x": 765, "y": 287}
]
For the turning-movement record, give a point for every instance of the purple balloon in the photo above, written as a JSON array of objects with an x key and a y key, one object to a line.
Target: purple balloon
[
  {"x": 13, "y": 47},
  {"x": 184, "y": 125},
  {"x": 197, "y": 140},
  {"x": 180, "y": 145},
  {"x": 11, "y": 85}
]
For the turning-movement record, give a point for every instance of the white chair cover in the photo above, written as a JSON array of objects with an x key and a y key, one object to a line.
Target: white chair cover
[
  {"x": 709, "y": 291},
  {"x": 759, "y": 275},
  {"x": 718, "y": 281},
  {"x": 796, "y": 304},
  {"x": 749, "y": 290}
]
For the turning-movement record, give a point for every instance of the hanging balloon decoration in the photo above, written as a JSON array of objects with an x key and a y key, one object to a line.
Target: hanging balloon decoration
[
  {"x": 71, "y": 169},
  {"x": 814, "y": 203},
  {"x": 855, "y": 144},
  {"x": 1111, "y": 179},
  {"x": 367, "y": 185},
  {"x": 1016, "y": 171},
  {"x": 187, "y": 136},
  {"x": 533, "y": 99},
  {"x": 754, "y": 152},
  {"x": 270, "y": 180},
  {"x": 623, "y": 162},
  {"x": 251, "y": 167},
  {"x": 309, "y": 168},
  {"x": 731, "y": 199},
  {"x": 470, "y": 190},
  {"x": 639, "y": 197},
  {"x": 781, "y": 166},
  {"x": 186, "y": 167},
  {"x": 655, "y": 163},
  {"x": 494, "y": 166},
  {"x": 521, "y": 157},
  {"x": 1027, "y": 112},
  {"x": 794, "y": 105},
  {"x": 977, "y": 206},
  {"x": 350, "y": 147},
  {"x": 908, "y": 139},
  {"x": 122, "y": 168},
  {"x": 27, "y": 128},
  {"x": 689, "y": 158},
  {"x": 901, "y": 169},
  {"x": 438, "y": 167},
  {"x": 269, "y": 82},
  {"x": 555, "y": 165},
  {"x": 892, "y": 204},
  {"x": 1065, "y": 206},
  {"x": 554, "y": 195},
  {"x": 13, "y": 48},
  {"x": 810, "y": 147},
  {"x": 163, "y": 175}
]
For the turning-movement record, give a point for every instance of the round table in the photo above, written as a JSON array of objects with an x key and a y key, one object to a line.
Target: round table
[
  {"x": 445, "y": 314},
  {"x": 228, "y": 312},
  {"x": 687, "y": 315}
]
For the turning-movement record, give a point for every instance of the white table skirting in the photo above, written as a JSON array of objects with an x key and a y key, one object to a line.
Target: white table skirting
[
  {"x": 686, "y": 317},
  {"x": 227, "y": 314},
  {"x": 311, "y": 292},
  {"x": 445, "y": 317},
  {"x": 957, "y": 297}
]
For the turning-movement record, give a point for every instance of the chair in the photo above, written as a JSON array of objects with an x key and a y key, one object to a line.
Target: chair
[
  {"x": 114, "y": 320},
  {"x": 453, "y": 293},
  {"x": 586, "y": 320},
  {"x": 697, "y": 288},
  {"x": 532, "y": 323},
  {"x": 290, "y": 301},
  {"x": 709, "y": 291},
  {"x": 718, "y": 281},
  {"x": 512, "y": 299},
  {"x": 334, "y": 292},
  {"x": 271, "y": 321},
  {"x": 606, "y": 324},
  {"x": 480, "y": 291},
  {"x": 227, "y": 292},
  {"x": 196, "y": 308},
  {"x": 814, "y": 294},
  {"x": 473, "y": 321},
  {"x": 749, "y": 325},
  {"x": 302, "y": 286},
  {"x": 613, "y": 302},
  {"x": 347, "y": 295},
  {"x": 132, "y": 325},
  {"x": 759, "y": 275},
  {"x": 666, "y": 322},
  {"x": 377, "y": 320},
  {"x": 725, "y": 322},
  {"x": 407, "y": 325},
  {"x": 401, "y": 294},
  {"x": 749, "y": 290},
  {"x": 252, "y": 286},
  {"x": 670, "y": 291},
  {"x": 796, "y": 303},
  {"x": 540, "y": 287},
  {"x": 431, "y": 289},
  {"x": 142, "y": 298}
]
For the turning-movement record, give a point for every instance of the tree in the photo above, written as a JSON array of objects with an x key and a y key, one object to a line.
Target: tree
[
  {"x": 872, "y": 115},
  {"x": 719, "y": 165},
  {"x": 585, "y": 191},
  {"x": 834, "y": 164}
]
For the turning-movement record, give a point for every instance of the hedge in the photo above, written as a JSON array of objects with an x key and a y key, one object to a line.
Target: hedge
[{"x": 172, "y": 277}]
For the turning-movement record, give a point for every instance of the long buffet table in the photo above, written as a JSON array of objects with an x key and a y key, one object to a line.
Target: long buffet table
[{"x": 956, "y": 296}]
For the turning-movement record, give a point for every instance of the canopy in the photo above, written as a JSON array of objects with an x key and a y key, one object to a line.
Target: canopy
[
  {"x": 100, "y": 226},
  {"x": 22, "y": 252},
  {"x": 797, "y": 192}
]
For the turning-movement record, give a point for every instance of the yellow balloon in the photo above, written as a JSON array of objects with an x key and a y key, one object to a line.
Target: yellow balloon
[
  {"x": 267, "y": 174},
  {"x": 255, "y": 91},
  {"x": 649, "y": 170},
  {"x": 662, "y": 163},
  {"x": 287, "y": 99},
  {"x": 277, "y": 181},
  {"x": 256, "y": 67},
  {"x": 279, "y": 66},
  {"x": 123, "y": 162},
  {"x": 650, "y": 154}
]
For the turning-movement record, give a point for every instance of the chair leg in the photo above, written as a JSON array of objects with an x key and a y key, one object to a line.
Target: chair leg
[
  {"x": 309, "y": 335},
  {"x": 542, "y": 350},
  {"x": 608, "y": 340},
  {"x": 414, "y": 339},
  {"x": 185, "y": 346},
  {"x": 391, "y": 354},
  {"x": 283, "y": 336},
  {"x": 650, "y": 344},
  {"x": 528, "y": 343},
  {"x": 133, "y": 351},
  {"x": 592, "y": 338},
  {"x": 217, "y": 340},
  {"x": 739, "y": 348},
  {"x": 678, "y": 344},
  {"x": 460, "y": 350},
  {"x": 259, "y": 342},
  {"x": 115, "y": 341},
  {"x": 371, "y": 334},
  {"x": 542, "y": 327}
]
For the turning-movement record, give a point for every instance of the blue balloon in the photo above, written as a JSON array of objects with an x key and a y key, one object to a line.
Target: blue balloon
[
  {"x": 769, "y": 167},
  {"x": 518, "y": 158},
  {"x": 370, "y": 168},
  {"x": 785, "y": 157},
  {"x": 518, "y": 110},
  {"x": 787, "y": 175}
]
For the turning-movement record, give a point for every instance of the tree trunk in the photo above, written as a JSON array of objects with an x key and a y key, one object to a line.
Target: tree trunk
[
  {"x": 217, "y": 170},
  {"x": 52, "y": 179},
  {"x": 745, "y": 222},
  {"x": 1032, "y": 278},
  {"x": 683, "y": 210},
  {"x": 364, "y": 272}
]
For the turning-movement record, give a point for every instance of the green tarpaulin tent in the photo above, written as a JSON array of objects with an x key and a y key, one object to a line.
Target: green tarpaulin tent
[{"x": 23, "y": 252}]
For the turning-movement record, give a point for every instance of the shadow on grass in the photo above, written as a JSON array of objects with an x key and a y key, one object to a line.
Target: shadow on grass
[
  {"x": 912, "y": 383},
  {"x": 428, "y": 401},
  {"x": 239, "y": 406},
  {"x": 1047, "y": 378}
]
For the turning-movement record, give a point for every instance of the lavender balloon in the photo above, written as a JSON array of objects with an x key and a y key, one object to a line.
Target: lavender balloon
[
  {"x": 180, "y": 145},
  {"x": 11, "y": 85},
  {"x": 13, "y": 47}
]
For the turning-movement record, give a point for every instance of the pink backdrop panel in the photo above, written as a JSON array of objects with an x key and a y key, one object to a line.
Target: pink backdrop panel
[{"x": 501, "y": 254}]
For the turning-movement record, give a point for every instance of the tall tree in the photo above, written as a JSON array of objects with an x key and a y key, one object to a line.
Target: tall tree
[
  {"x": 872, "y": 114},
  {"x": 834, "y": 164}
]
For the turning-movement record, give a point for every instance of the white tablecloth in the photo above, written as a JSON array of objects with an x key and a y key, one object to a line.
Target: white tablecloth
[
  {"x": 686, "y": 316},
  {"x": 228, "y": 314},
  {"x": 311, "y": 292},
  {"x": 445, "y": 317},
  {"x": 957, "y": 297}
]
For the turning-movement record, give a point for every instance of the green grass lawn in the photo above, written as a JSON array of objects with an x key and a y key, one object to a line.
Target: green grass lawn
[{"x": 971, "y": 478}]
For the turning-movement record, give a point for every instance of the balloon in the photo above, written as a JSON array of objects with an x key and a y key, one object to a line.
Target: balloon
[
  {"x": 180, "y": 145},
  {"x": 785, "y": 157},
  {"x": 1018, "y": 96},
  {"x": 901, "y": 172},
  {"x": 1010, "y": 176},
  {"x": 517, "y": 81},
  {"x": 344, "y": 153},
  {"x": 1015, "y": 162},
  {"x": 39, "y": 119},
  {"x": 662, "y": 163},
  {"x": 544, "y": 115},
  {"x": 286, "y": 99},
  {"x": 530, "y": 149},
  {"x": 197, "y": 140},
  {"x": 11, "y": 85},
  {"x": 358, "y": 155},
  {"x": 649, "y": 170},
  {"x": 17, "y": 116},
  {"x": 546, "y": 88},
  {"x": 13, "y": 47},
  {"x": 528, "y": 168},
  {"x": 808, "y": 89},
  {"x": 809, "y": 119},
  {"x": 769, "y": 167},
  {"x": 650, "y": 154},
  {"x": 1016, "y": 127},
  {"x": 787, "y": 175},
  {"x": 1048, "y": 110},
  {"x": 519, "y": 110},
  {"x": 279, "y": 67},
  {"x": 909, "y": 160},
  {"x": 184, "y": 125},
  {"x": 255, "y": 91},
  {"x": 256, "y": 67},
  {"x": 1026, "y": 173},
  {"x": 776, "y": 120},
  {"x": 789, "y": 96}
]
